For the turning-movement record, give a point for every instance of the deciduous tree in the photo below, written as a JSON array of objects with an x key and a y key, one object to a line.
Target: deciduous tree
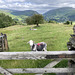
[{"x": 35, "y": 19}]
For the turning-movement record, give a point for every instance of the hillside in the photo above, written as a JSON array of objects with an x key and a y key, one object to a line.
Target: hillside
[
  {"x": 8, "y": 12},
  {"x": 61, "y": 14},
  {"x": 18, "y": 15},
  {"x": 26, "y": 13},
  {"x": 55, "y": 35}
]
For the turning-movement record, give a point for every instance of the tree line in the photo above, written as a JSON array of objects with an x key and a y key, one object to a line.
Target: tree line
[{"x": 6, "y": 20}]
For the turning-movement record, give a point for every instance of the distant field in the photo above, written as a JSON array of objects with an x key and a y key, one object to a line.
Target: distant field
[
  {"x": 74, "y": 23},
  {"x": 55, "y": 35}
]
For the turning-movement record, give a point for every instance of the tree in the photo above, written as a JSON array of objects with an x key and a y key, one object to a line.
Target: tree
[
  {"x": 71, "y": 22},
  {"x": 35, "y": 19},
  {"x": 67, "y": 22},
  {"x": 5, "y": 20},
  {"x": 29, "y": 21}
]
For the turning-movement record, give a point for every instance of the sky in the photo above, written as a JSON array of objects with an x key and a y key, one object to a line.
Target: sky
[{"x": 40, "y": 6}]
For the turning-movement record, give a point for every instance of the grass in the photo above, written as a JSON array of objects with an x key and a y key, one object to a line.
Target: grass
[{"x": 55, "y": 35}]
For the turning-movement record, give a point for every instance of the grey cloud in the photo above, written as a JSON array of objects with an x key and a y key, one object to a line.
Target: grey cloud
[{"x": 39, "y": 5}]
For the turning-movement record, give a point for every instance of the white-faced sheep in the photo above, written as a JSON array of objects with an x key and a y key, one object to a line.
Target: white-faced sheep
[{"x": 42, "y": 46}]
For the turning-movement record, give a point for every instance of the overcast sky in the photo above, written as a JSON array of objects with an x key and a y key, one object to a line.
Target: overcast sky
[{"x": 38, "y": 5}]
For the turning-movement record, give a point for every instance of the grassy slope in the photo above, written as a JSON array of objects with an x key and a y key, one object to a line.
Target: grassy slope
[
  {"x": 13, "y": 16},
  {"x": 55, "y": 35}
]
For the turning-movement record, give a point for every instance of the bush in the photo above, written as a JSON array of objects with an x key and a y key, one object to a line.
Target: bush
[
  {"x": 51, "y": 21},
  {"x": 67, "y": 22}
]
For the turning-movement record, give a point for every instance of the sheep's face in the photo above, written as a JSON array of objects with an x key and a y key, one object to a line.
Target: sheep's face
[{"x": 31, "y": 43}]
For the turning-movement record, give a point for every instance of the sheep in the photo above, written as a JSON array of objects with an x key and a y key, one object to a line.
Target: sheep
[
  {"x": 32, "y": 29},
  {"x": 42, "y": 46}
]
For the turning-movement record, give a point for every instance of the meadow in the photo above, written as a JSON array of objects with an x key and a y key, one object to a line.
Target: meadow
[{"x": 55, "y": 35}]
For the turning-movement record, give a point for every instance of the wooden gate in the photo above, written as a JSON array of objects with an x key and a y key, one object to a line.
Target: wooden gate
[{"x": 38, "y": 55}]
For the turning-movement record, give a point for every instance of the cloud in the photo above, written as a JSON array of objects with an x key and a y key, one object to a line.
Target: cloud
[
  {"x": 1, "y": 1},
  {"x": 3, "y": 6},
  {"x": 39, "y": 5},
  {"x": 11, "y": 1},
  {"x": 65, "y": 5},
  {"x": 20, "y": 6}
]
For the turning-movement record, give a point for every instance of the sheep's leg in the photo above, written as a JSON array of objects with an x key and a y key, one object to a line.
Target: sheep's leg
[
  {"x": 35, "y": 48},
  {"x": 44, "y": 49}
]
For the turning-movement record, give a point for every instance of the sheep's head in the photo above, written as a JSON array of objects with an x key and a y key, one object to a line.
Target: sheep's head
[{"x": 31, "y": 42}]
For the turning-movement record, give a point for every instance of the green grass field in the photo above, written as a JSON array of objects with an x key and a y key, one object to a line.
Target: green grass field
[{"x": 55, "y": 35}]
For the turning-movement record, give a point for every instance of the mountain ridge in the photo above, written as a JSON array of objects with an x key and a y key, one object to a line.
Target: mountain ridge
[
  {"x": 60, "y": 15},
  {"x": 26, "y": 12},
  {"x": 18, "y": 15}
]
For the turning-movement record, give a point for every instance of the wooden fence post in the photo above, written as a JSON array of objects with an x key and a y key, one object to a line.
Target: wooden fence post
[
  {"x": 71, "y": 47},
  {"x": 6, "y": 42},
  {"x": 2, "y": 44},
  {"x": 71, "y": 64}
]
